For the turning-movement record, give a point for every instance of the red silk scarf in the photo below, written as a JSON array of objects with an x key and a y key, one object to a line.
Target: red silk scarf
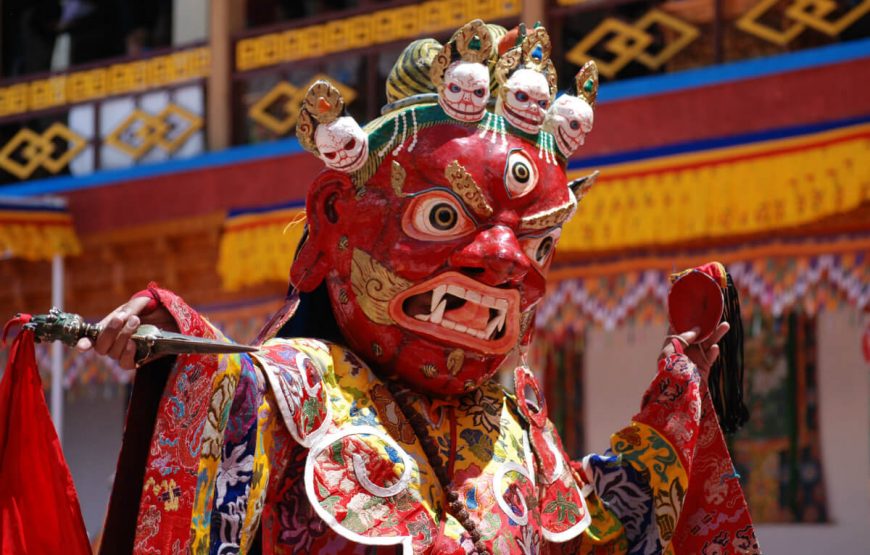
[{"x": 39, "y": 508}]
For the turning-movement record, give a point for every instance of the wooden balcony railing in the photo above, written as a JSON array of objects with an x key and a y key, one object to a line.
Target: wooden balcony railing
[
  {"x": 634, "y": 38},
  {"x": 355, "y": 52},
  {"x": 104, "y": 116}
]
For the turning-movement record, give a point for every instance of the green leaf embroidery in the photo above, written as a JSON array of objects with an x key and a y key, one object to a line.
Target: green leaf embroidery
[
  {"x": 321, "y": 490},
  {"x": 564, "y": 509},
  {"x": 483, "y": 448},
  {"x": 329, "y": 503},
  {"x": 336, "y": 453},
  {"x": 310, "y": 411},
  {"x": 353, "y": 523},
  {"x": 355, "y": 393}
]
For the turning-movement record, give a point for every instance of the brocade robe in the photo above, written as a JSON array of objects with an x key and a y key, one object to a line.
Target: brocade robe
[{"x": 301, "y": 448}]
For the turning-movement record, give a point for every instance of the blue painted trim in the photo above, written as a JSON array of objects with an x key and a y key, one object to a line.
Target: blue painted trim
[
  {"x": 733, "y": 71},
  {"x": 297, "y": 203},
  {"x": 235, "y": 155},
  {"x": 709, "y": 144},
  {"x": 33, "y": 208}
]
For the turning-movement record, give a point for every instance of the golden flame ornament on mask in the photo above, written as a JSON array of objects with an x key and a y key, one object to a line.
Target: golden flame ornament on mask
[
  {"x": 336, "y": 139},
  {"x": 375, "y": 286}
]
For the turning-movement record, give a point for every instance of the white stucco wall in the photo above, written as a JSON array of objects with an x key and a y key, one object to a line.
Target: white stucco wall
[
  {"x": 189, "y": 21},
  {"x": 844, "y": 395},
  {"x": 619, "y": 366},
  {"x": 621, "y": 363},
  {"x": 93, "y": 425}
]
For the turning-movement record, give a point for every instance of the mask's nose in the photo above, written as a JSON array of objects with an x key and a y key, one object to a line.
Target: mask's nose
[{"x": 494, "y": 257}]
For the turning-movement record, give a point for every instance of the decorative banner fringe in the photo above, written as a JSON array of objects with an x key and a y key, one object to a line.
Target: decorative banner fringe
[
  {"x": 258, "y": 246},
  {"x": 808, "y": 283},
  {"x": 744, "y": 190},
  {"x": 724, "y": 192},
  {"x": 811, "y": 283},
  {"x": 36, "y": 234}
]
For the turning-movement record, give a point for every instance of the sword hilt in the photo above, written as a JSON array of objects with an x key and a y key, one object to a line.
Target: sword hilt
[{"x": 65, "y": 327}]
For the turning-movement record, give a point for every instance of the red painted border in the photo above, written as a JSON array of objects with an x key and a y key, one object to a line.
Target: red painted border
[{"x": 815, "y": 95}]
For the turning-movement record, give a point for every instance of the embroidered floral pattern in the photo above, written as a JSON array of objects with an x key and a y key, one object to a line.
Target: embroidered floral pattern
[
  {"x": 299, "y": 524},
  {"x": 178, "y": 436},
  {"x": 298, "y": 386},
  {"x": 485, "y": 411},
  {"x": 233, "y": 429}
]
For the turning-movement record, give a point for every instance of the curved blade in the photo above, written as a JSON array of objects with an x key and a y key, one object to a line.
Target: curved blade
[{"x": 152, "y": 342}]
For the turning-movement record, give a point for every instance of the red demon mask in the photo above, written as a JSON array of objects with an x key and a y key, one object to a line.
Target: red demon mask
[{"x": 435, "y": 264}]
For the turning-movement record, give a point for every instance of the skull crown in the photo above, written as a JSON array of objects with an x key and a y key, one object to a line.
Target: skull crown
[{"x": 478, "y": 61}]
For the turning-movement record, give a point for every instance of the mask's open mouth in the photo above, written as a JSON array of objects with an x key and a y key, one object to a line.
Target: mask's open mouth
[
  {"x": 530, "y": 122},
  {"x": 351, "y": 162},
  {"x": 452, "y": 108},
  {"x": 459, "y": 310},
  {"x": 567, "y": 141}
]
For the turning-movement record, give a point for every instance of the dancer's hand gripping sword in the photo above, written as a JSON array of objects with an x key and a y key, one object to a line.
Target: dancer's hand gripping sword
[{"x": 151, "y": 342}]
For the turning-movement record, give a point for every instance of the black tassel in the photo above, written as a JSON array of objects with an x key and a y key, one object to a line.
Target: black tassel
[{"x": 726, "y": 375}]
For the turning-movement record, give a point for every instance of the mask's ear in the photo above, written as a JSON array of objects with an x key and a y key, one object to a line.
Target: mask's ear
[{"x": 323, "y": 211}]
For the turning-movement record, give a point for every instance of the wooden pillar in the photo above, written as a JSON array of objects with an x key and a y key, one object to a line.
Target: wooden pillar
[
  {"x": 226, "y": 17},
  {"x": 534, "y": 10}
]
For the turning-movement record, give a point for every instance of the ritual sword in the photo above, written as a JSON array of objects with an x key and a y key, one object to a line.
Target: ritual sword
[{"x": 151, "y": 342}]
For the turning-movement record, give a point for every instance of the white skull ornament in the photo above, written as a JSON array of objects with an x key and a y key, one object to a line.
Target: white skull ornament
[
  {"x": 571, "y": 116},
  {"x": 460, "y": 74},
  {"x": 569, "y": 120},
  {"x": 342, "y": 144},
  {"x": 466, "y": 91},
  {"x": 524, "y": 100}
]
